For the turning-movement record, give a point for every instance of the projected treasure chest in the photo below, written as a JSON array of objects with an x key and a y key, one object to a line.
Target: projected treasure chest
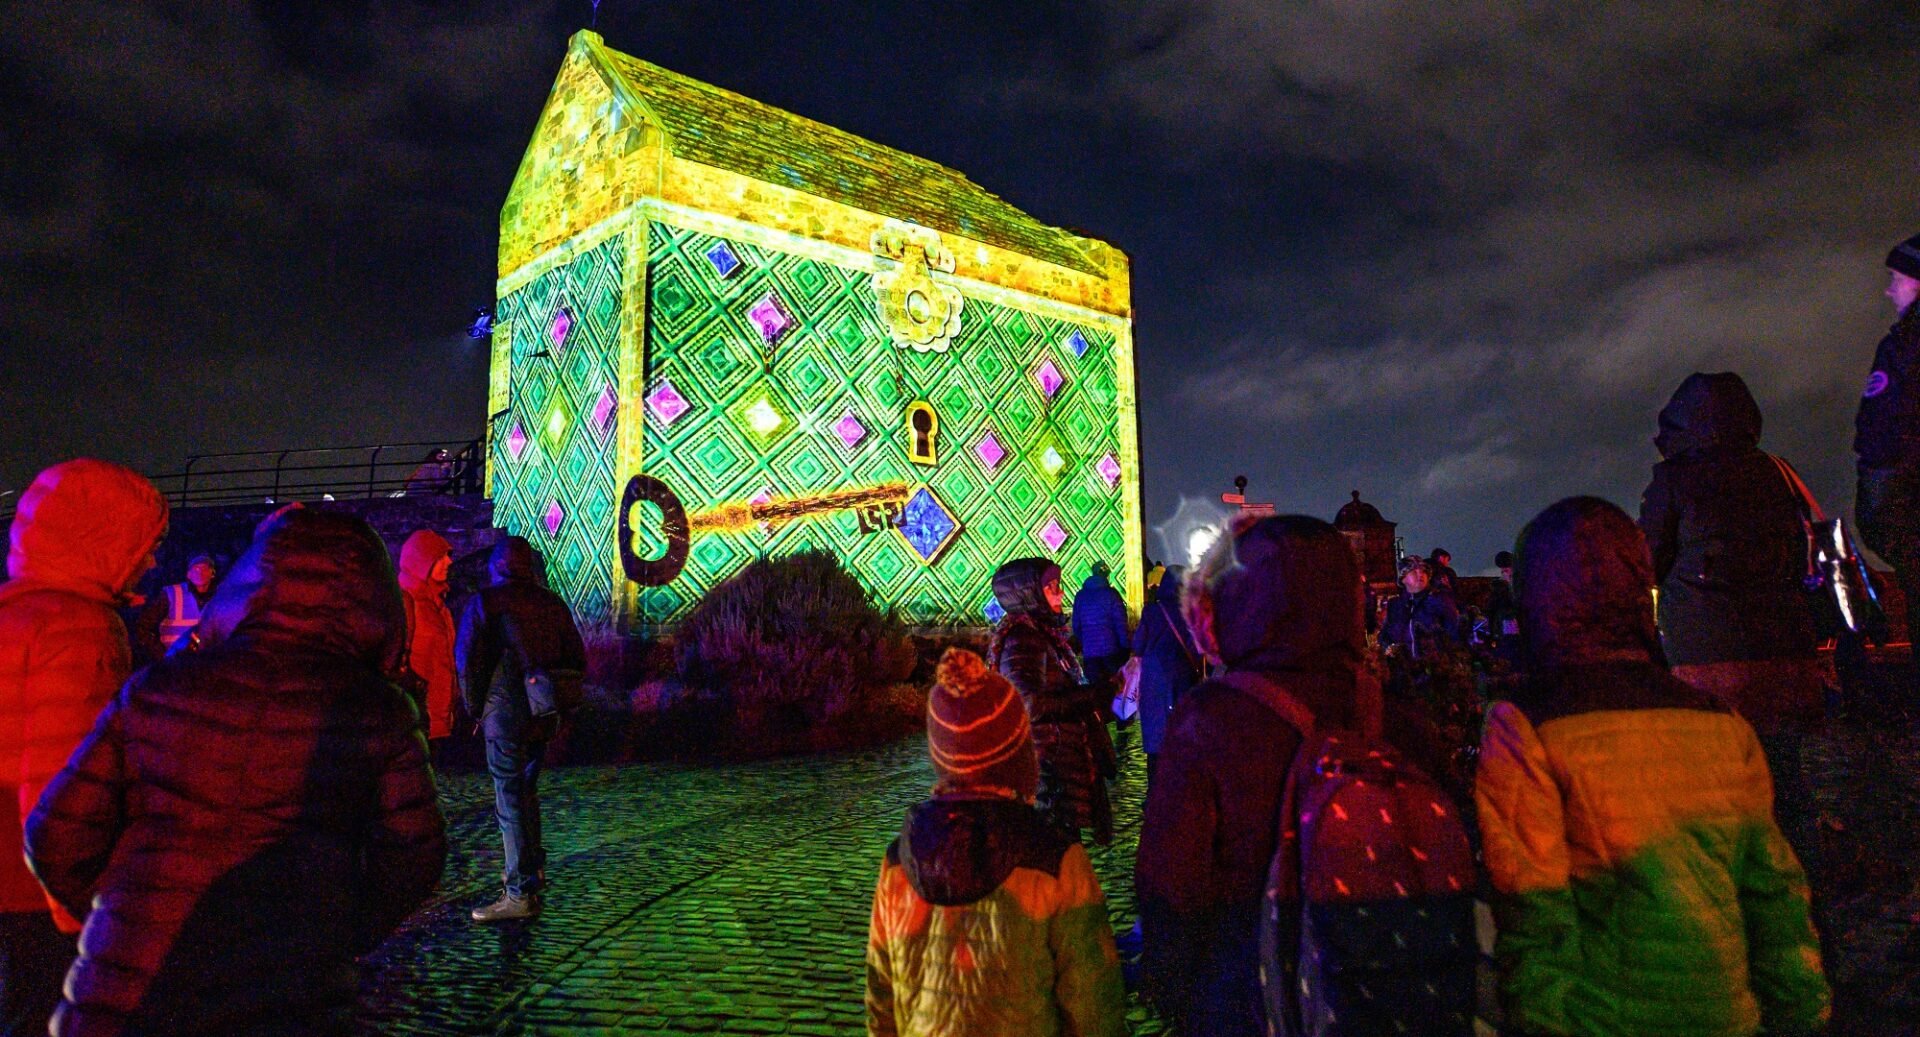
[{"x": 727, "y": 332}]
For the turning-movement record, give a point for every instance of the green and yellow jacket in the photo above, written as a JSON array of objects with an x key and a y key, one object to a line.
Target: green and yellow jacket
[
  {"x": 989, "y": 922},
  {"x": 1641, "y": 884}
]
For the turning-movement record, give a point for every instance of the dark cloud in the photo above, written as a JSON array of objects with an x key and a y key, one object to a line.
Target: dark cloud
[{"x": 1453, "y": 255}]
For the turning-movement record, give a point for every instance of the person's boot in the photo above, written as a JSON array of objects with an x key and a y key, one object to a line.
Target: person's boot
[{"x": 508, "y": 907}]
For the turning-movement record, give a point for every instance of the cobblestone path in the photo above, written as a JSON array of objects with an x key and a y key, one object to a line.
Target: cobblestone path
[
  {"x": 734, "y": 899},
  {"x": 685, "y": 900}
]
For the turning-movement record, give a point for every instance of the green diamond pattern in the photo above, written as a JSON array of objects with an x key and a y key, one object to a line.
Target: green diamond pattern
[{"x": 835, "y": 359}]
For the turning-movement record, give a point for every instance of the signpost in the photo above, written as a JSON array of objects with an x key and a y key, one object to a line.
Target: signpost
[{"x": 1238, "y": 498}]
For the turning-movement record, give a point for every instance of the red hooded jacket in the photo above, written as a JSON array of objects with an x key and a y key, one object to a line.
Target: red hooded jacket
[
  {"x": 429, "y": 626},
  {"x": 79, "y": 542}
]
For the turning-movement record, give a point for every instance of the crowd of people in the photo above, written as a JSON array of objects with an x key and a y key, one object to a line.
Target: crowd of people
[
  {"x": 203, "y": 844},
  {"x": 1331, "y": 782}
]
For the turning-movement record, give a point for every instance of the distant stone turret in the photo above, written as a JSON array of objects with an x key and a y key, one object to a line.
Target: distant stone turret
[{"x": 1372, "y": 538}]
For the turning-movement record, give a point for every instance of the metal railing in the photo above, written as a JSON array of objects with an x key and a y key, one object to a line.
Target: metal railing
[
  {"x": 325, "y": 473},
  {"x": 316, "y": 473}
]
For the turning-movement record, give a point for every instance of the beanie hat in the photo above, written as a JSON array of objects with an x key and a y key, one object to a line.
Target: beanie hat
[
  {"x": 1905, "y": 257},
  {"x": 977, "y": 731}
]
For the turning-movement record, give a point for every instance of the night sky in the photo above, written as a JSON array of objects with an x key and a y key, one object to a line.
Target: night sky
[{"x": 1453, "y": 255}]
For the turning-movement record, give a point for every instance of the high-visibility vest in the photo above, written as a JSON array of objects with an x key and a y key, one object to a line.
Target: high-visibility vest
[{"x": 183, "y": 614}]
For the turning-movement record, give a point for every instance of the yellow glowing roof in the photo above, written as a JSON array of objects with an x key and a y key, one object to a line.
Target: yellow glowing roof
[{"x": 720, "y": 128}]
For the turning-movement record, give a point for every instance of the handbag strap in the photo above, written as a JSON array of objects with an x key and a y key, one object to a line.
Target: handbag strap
[
  {"x": 1173, "y": 627},
  {"x": 1809, "y": 508}
]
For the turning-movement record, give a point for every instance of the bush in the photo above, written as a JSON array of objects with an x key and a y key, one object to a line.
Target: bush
[{"x": 794, "y": 643}]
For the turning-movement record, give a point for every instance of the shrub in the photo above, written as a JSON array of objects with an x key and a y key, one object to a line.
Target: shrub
[{"x": 791, "y": 643}]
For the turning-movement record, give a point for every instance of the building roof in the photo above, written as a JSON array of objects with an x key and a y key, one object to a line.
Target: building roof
[
  {"x": 720, "y": 128},
  {"x": 1358, "y": 514}
]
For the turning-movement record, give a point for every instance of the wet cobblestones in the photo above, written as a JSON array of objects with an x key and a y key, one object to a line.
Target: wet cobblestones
[
  {"x": 734, "y": 899},
  {"x": 683, "y": 900}
]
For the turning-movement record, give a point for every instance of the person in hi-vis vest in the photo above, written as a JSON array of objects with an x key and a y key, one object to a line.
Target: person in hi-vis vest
[{"x": 171, "y": 615}]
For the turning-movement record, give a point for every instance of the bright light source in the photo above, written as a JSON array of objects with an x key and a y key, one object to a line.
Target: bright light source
[{"x": 1199, "y": 541}]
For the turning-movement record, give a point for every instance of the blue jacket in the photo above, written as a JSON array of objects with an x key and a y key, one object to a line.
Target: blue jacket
[
  {"x": 1168, "y": 660},
  {"x": 1100, "y": 619}
]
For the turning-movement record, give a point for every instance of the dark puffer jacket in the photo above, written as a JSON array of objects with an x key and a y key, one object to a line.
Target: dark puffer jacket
[
  {"x": 1729, "y": 550},
  {"x": 1286, "y": 604},
  {"x": 507, "y": 629},
  {"x": 1423, "y": 625},
  {"x": 1029, "y": 650},
  {"x": 1169, "y": 662},
  {"x": 246, "y": 818}
]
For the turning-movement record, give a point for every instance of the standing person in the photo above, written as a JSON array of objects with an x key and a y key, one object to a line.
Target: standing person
[
  {"x": 1100, "y": 625},
  {"x": 433, "y": 475},
  {"x": 1729, "y": 550},
  {"x": 1421, "y": 623},
  {"x": 513, "y": 634},
  {"x": 1440, "y": 568},
  {"x": 1030, "y": 649},
  {"x": 1641, "y": 885},
  {"x": 987, "y": 919},
  {"x": 1729, "y": 553},
  {"x": 425, "y": 560},
  {"x": 168, "y": 617},
  {"x": 248, "y": 816},
  {"x": 84, "y": 534},
  {"x": 1886, "y": 440},
  {"x": 1279, "y": 599},
  {"x": 1169, "y": 663}
]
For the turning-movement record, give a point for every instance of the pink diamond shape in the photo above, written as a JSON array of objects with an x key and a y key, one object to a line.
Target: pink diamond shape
[
  {"x": 554, "y": 516},
  {"x": 989, "y": 450},
  {"x": 666, "y": 403},
  {"x": 604, "y": 409},
  {"x": 850, "y": 431},
  {"x": 1109, "y": 470},
  {"x": 1053, "y": 535},
  {"x": 1049, "y": 377},
  {"x": 770, "y": 317},
  {"x": 516, "y": 441},
  {"x": 562, "y": 323}
]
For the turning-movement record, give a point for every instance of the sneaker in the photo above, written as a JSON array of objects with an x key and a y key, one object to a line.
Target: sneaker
[{"x": 508, "y": 907}]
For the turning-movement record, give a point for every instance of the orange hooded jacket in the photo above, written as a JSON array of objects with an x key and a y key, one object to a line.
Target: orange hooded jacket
[
  {"x": 429, "y": 626},
  {"x": 84, "y": 534}
]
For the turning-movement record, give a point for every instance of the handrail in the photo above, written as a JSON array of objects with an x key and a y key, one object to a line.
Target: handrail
[{"x": 313, "y": 473}]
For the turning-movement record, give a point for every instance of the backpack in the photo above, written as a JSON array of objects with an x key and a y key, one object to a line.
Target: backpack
[{"x": 1368, "y": 920}]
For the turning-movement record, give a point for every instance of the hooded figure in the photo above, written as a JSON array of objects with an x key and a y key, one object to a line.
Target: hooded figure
[
  {"x": 1641, "y": 885},
  {"x": 1100, "y": 625},
  {"x": 424, "y": 561},
  {"x": 1170, "y": 662},
  {"x": 250, "y": 815},
  {"x": 1030, "y": 650},
  {"x": 84, "y": 534},
  {"x": 1020, "y": 944},
  {"x": 1280, "y": 598},
  {"x": 1729, "y": 554},
  {"x": 510, "y": 633}
]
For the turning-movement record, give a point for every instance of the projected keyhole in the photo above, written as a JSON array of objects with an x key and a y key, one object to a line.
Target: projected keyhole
[{"x": 923, "y": 430}]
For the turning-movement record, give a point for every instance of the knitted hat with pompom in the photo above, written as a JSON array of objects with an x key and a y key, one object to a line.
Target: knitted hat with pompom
[{"x": 977, "y": 731}]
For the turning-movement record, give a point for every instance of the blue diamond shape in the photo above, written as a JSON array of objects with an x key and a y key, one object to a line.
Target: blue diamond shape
[
  {"x": 995, "y": 611},
  {"x": 725, "y": 263},
  {"x": 925, "y": 524},
  {"x": 1078, "y": 342}
]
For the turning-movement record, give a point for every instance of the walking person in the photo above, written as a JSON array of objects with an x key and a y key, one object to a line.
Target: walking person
[
  {"x": 988, "y": 918},
  {"x": 1170, "y": 664},
  {"x": 1100, "y": 627},
  {"x": 517, "y": 639},
  {"x": 1641, "y": 885},
  {"x": 83, "y": 536},
  {"x": 249, "y": 815},
  {"x": 1029, "y": 648},
  {"x": 169, "y": 617},
  {"x": 425, "y": 560}
]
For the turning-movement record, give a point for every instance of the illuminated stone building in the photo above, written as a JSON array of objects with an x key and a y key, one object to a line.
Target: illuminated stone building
[{"x": 725, "y": 332}]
